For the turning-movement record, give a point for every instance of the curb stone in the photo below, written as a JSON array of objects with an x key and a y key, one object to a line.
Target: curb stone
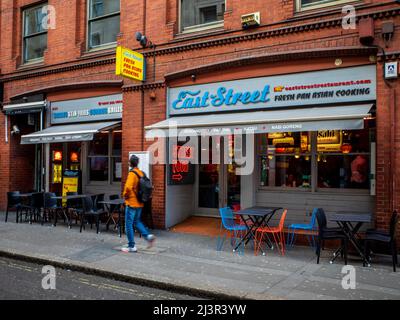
[{"x": 179, "y": 289}]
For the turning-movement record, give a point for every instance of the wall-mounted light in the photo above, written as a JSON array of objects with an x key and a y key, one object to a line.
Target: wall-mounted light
[
  {"x": 57, "y": 156},
  {"x": 15, "y": 130}
]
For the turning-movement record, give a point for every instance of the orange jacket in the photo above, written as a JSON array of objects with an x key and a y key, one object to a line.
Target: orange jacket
[{"x": 131, "y": 189}]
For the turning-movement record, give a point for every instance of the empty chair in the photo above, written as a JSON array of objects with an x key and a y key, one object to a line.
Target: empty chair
[
  {"x": 51, "y": 207},
  {"x": 325, "y": 233},
  {"x": 229, "y": 224},
  {"x": 35, "y": 207},
  {"x": 73, "y": 205},
  {"x": 277, "y": 233},
  {"x": 113, "y": 209},
  {"x": 389, "y": 238},
  {"x": 294, "y": 228},
  {"x": 89, "y": 210},
  {"x": 99, "y": 198},
  {"x": 13, "y": 202}
]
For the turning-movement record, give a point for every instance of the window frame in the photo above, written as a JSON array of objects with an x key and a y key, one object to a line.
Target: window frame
[
  {"x": 36, "y": 34},
  {"x": 199, "y": 27},
  {"x": 328, "y": 3},
  {"x": 89, "y": 20},
  {"x": 111, "y": 158}
]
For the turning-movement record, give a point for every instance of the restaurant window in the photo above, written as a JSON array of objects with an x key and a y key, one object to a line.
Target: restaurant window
[
  {"x": 303, "y": 5},
  {"x": 104, "y": 158},
  {"x": 341, "y": 159},
  {"x": 201, "y": 14},
  {"x": 104, "y": 22},
  {"x": 285, "y": 160},
  {"x": 34, "y": 33}
]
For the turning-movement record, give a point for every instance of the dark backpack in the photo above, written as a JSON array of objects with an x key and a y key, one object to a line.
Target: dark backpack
[{"x": 145, "y": 188}]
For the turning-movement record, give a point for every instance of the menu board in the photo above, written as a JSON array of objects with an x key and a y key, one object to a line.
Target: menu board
[{"x": 144, "y": 161}]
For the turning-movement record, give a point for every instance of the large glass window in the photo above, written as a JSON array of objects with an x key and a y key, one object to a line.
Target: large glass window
[
  {"x": 339, "y": 159},
  {"x": 198, "y": 13},
  {"x": 285, "y": 160},
  {"x": 104, "y": 22},
  {"x": 104, "y": 160},
  {"x": 34, "y": 33},
  {"x": 314, "y": 4},
  {"x": 344, "y": 157}
]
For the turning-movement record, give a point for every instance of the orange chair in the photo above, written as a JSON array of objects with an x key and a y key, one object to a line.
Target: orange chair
[{"x": 277, "y": 233}]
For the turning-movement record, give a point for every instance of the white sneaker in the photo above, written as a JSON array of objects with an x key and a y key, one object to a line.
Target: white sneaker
[
  {"x": 150, "y": 239},
  {"x": 128, "y": 249}
]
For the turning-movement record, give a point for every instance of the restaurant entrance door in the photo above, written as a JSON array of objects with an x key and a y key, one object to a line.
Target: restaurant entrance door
[{"x": 217, "y": 185}]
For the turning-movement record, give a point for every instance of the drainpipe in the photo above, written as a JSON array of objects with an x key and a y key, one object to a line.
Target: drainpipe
[
  {"x": 392, "y": 104},
  {"x": 142, "y": 89}
]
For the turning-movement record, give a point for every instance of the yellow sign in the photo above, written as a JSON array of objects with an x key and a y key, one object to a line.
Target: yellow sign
[
  {"x": 57, "y": 173},
  {"x": 130, "y": 64},
  {"x": 328, "y": 141},
  {"x": 70, "y": 184}
]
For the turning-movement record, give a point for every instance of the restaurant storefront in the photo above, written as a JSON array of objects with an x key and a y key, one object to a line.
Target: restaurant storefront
[
  {"x": 298, "y": 141},
  {"x": 82, "y": 138}
]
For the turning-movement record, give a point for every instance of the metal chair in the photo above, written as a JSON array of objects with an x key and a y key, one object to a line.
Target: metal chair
[
  {"x": 291, "y": 238},
  {"x": 228, "y": 224},
  {"x": 89, "y": 210},
  {"x": 13, "y": 202},
  {"x": 112, "y": 209},
  {"x": 51, "y": 207},
  {"x": 35, "y": 207},
  {"x": 277, "y": 233},
  {"x": 326, "y": 233},
  {"x": 388, "y": 238}
]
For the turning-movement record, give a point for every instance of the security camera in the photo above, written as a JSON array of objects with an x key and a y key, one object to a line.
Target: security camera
[
  {"x": 15, "y": 130},
  {"x": 142, "y": 39}
]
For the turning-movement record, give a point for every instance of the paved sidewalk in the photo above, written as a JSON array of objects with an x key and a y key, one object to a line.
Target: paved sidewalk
[{"x": 191, "y": 264}]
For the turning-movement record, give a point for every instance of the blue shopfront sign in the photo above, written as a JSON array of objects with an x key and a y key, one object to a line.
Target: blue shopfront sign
[
  {"x": 89, "y": 109},
  {"x": 308, "y": 88}
]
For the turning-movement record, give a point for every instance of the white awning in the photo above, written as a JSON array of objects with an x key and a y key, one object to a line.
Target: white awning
[
  {"x": 68, "y": 133},
  {"x": 348, "y": 117},
  {"x": 22, "y": 108}
]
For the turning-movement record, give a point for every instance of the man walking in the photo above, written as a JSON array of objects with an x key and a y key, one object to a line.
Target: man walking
[{"x": 134, "y": 207}]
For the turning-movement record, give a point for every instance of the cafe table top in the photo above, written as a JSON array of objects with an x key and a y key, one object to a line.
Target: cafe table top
[
  {"x": 71, "y": 197},
  {"x": 29, "y": 194},
  {"x": 258, "y": 211},
  {"x": 114, "y": 201},
  {"x": 344, "y": 216}
]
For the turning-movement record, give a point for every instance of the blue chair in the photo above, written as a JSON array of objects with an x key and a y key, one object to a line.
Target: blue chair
[
  {"x": 228, "y": 224},
  {"x": 303, "y": 227}
]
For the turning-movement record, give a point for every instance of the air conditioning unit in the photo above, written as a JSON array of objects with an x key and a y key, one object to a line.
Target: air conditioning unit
[{"x": 250, "y": 20}]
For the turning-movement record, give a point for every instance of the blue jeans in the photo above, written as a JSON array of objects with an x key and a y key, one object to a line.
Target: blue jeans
[{"x": 132, "y": 219}]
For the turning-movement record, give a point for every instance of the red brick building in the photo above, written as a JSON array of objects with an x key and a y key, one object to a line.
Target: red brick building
[{"x": 202, "y": 45}]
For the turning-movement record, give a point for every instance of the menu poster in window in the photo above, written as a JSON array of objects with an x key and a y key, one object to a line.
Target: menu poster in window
[
  {"x": 182, "y": 171},
  {"x": 144, "y": 161},
  {"x": 118, "y": 170}
]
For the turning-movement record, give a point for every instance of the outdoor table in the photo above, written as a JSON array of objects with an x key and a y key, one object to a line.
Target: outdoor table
[
  {"x": 26, "y": 195},
  {"x": 70, "y": 197},
  {"x": 351, "y": 223},
  {"x": 258, "y": 217},
  {"x": 117, "y": 203}
]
